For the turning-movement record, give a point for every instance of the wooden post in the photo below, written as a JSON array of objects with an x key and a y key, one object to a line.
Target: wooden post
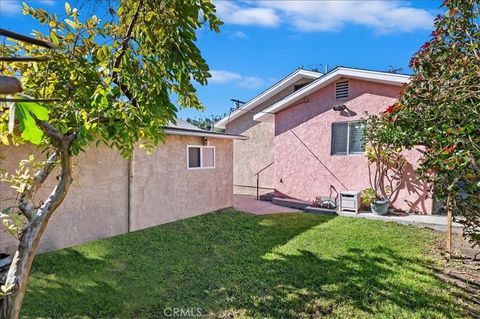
[
  {"x": 449, "y": 225},
  {"x": 258, "y": 184}
]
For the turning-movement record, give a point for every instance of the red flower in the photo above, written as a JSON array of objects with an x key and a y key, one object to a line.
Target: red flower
[
  {"x": 426, "y": 45},
  {"x": 449, "y": 149},
  {"x": 389, "y": 109},
  {"x": 413, "y": 62}
]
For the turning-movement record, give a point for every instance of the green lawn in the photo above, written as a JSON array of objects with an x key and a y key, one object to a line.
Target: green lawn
[{"x": 232, "y": 264}]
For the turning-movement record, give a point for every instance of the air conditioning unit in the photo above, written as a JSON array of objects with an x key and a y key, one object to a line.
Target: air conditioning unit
[{"x": 350, "y": 201}]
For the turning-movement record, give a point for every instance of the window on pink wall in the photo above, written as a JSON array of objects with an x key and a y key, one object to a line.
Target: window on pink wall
[
  {"x": 348, "y": 138},
  {"x": 199, "y": 156}
]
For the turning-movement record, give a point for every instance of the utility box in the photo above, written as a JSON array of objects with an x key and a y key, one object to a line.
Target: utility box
[{"x": 350, "y": 201}]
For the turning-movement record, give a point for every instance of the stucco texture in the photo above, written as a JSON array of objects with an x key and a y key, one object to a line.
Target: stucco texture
[
  {"x": 255, "y": 154},
  {"x": 97, "y": 205},
  {"x": 304, "y": 167},
  {"x": 164, "y": 190}
]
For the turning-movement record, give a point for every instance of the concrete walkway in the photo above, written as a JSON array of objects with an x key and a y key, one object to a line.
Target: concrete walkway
[
  {"x": 249, "y": 204},
  {"x": 437, "y": 222}
]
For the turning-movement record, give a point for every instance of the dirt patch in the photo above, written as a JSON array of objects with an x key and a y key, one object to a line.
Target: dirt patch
[{"x": 461, "y": 270}]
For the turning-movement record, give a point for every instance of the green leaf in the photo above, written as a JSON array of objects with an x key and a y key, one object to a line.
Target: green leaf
[
  {"x": 71, "y": 23},
  {"x": 6, "y": 210},
  {"x": 30, "y": 131},
  {"x": 54, "y": 38},
  {"x": 68, "y": 10}
]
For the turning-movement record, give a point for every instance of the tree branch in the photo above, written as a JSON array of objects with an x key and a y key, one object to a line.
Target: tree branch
[
  {"x": 122, "y": 51},
  {"x": 26, "y": 199}
]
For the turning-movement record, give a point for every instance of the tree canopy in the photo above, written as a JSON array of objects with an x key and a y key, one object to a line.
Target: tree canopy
[
  {"x": 440, "y": 110},
  {"x": 108, "y": 82},
  {"x": 114, "y": 78}
]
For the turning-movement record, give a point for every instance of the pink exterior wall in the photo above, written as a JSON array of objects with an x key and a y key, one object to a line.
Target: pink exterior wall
[
  {"x": 300, "y": 174},
  {"x": 164, "y": 190},
  {"x": 256, "y": 153}
]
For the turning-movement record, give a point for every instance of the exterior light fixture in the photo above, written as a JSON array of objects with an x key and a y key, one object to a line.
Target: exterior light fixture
[{"x": 340, "y": 107}]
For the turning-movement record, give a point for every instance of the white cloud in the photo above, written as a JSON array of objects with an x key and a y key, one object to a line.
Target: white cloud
[
  {"x": 225, "y": 77},
  {"x": 10, "y": 7},
  {"x": 49, "y": 2},
  {"x": 252, "y": 82},
  {"x": 239, "y": 35},
  {"x": 222, "y": 77},
  {"x": 317, "y": 16},
  {"x": 14, "y": 7},
  {"x": 233, "y": 13}
]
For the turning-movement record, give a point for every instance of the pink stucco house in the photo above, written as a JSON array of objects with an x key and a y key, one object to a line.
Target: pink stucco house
[{"x": 299, "y": 144}]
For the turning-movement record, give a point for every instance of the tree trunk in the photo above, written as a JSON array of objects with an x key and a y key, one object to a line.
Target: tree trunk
[
  {"x": 19, "y": 271},
  {"x": 449, "y": 225}
]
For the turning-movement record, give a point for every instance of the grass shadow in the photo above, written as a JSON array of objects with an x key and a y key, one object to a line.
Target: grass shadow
[{"x": 231, "y": 264}]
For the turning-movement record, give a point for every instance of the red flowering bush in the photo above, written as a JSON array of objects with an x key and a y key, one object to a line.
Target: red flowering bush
[{"x": 440, "y": 109}]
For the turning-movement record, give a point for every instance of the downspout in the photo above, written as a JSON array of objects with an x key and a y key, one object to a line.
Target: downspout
[{"x": 129, "y": 194}]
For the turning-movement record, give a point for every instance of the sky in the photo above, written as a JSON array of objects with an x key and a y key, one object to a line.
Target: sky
[{"x": 263, "y": 41}]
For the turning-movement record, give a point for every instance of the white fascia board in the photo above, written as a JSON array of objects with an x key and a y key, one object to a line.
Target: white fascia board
[
  {"x": 373, "y": 76},
  {"x": 181, "y": 132},
  {"x": 281, "y": 85}
]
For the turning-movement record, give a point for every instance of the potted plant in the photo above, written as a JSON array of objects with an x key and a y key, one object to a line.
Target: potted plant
[
  {"x": 385, "y": 171},
  {"x": 367, "y": 196}
]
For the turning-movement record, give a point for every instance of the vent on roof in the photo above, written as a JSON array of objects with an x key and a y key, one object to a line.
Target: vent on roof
[
  {"x": 341, "y": 90},
  {"x": 297, "y": 87}
]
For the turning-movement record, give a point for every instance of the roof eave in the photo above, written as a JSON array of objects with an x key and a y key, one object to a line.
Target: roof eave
[
  {"x": 289, "y": 79},
  {"x": 372, "y": 76},
  {"x": 186, "y": 132}
]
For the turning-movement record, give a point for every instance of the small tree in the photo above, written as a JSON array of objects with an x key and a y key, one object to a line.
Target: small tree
[
  {"x": 386, "y": 164},
  {"x": 440, "y": 109},
  {"x": 385, "y": 171},
  {"x": 114, "y": 80}
]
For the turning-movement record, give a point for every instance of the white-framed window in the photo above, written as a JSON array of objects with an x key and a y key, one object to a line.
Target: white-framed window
[
  {"x": 347, "y": 138},
  {"x": 200, "y": 157}
]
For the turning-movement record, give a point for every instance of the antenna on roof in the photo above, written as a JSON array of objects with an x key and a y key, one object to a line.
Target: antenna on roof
[{"x": 237, "y": 103}]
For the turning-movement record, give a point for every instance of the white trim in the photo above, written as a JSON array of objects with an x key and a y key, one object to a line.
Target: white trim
[
  {"x": 169, "y": 131},
  {"x": 373, "y": 76},
  {"x": 201, "y": 157},
  {"x": 262, "y": 97}
]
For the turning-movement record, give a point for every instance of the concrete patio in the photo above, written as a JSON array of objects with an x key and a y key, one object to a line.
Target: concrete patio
[{"x": 249, "y": 204}]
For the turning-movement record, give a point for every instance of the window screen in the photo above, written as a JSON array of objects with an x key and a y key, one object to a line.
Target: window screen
[
  {"x": 347, "y": 138},
  {"x": 201, "y": 156},
  {"x": 193, "y": 157},
  {"x": 356, "y": 142},
  {"x": 208, "y": 156},
  {"x": 339, "y": 138}
]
